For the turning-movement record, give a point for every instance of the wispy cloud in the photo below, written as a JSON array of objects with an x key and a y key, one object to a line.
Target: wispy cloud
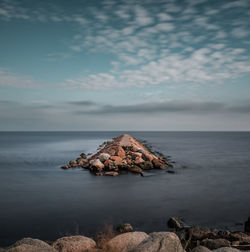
[{"x": 8, "y": 78}]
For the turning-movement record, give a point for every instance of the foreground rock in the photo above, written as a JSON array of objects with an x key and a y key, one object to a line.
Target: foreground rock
[
  {"x": 30, "y": 245},
  {"x": 124, "y": 153},
  {"x": 126, "y": 242},
  {"x": 76, "y": 243},
  {"x": 160, "y": 242},
  {"x": 215, "y": 244}
]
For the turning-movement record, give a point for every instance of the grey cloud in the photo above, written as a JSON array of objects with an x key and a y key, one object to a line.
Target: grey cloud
[
  {"x": 170, "y": 107},
  {"x": 82, "y": 103}
]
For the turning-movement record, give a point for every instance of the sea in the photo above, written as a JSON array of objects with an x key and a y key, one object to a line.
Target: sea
[{"x": 210, "y": 186}]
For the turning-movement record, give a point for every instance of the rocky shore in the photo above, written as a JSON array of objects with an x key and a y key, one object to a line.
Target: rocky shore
[
  {"x": 123, "y": 154},
  {"x": 124, "y": 239}
]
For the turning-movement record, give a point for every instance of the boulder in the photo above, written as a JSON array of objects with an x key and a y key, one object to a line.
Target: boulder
[
  {"x": 31, "y": 245},
  {"x": 147, "y": 165},
  {"x": 226, "y": 249},
  {"x": 175, "y": 223},
  {"x": 29, "y": 248},
  {"x": 120, "y": 152},
  {"x": 126, "y": 242},
  {"x": 96, "y": 163},
  {"x": 158, "y": 164},
  {"x": 73, "y": 163},
  {"x": 247, "y": 225},
  {"x": 138, "y": 160},
  {"x": 116, "y": 159},
  {"x": 76, "y": 243},
  {"x": 65, "y": 167},
  {"x": 160, "y": 242},
  {"x": 240, "y": 236},
  {"x": 215, "y": 243},
  {"x": 200, "y": 249},
  {"x": 124, "y": 228},
  {"x": 103, "y": 157},
  {"x": 111, "y": 173},
  {"x": 33, "y": 242},
  {"x": 135, "y": 169},
  {"x": 84, "y": 156},
  {"x": 199, "y": 233}
]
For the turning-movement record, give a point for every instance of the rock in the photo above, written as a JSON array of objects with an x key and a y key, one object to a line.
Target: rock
[
  {"x": 84, "y": 156},
  {"x": 124, "y": 228},
  {"x": 147, "y": 165},
  {"x": 111, "y": 173},
  {"x": 138, "y": 160},
  {"x": 65, "y": 167},
  {"x": 76, "y": 243},
  {"x": 148, "y": 156},
  {"x": 29, "y": 248},
  {"x": 216, "y": 243},
  {"x": 31, "y": 245},
  {"x": 226, "y": 249},
  {"x": 103, "y": 157},
  {"x": 135, "y": 155},
  {"x": 33, "y": 242},
  {"x": 175, "y": 223},
  {"x": 117, "y": 159},
  {"x": 199, "y": 233},
  {"x": 73, "y": 163},
  {"x": 240, "y": 236},
  {"x": 96, "y": 163},
  {"x": 126, "y": 242},
  {"x": 107, "y": 162},
  {"x": 135, "y": 169},
  {"x": 201, "y": 249},
  {"x": 158, "y": 164},
  {"x": 120, "y": 152},
  {"x": 247, "y": 225},
  {"x": 160, "y": 242},
  {"x": 171, "y": 171}
]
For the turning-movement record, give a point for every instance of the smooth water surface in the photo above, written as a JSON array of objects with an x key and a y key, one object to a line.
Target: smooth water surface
[{"x": 38, "y": 199}]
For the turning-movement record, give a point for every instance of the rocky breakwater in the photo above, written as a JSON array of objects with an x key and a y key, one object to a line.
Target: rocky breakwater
[{"x": 123, "y": 154}]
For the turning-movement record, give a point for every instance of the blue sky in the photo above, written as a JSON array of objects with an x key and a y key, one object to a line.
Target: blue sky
[{"x": 125, "y": 65}]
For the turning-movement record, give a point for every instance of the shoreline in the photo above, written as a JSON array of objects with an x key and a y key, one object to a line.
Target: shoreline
[{"x": 190, "y": 238}]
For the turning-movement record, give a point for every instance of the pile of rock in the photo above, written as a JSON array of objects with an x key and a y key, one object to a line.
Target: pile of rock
[
  {"x": 124, "y": 153},
  {"x": 211, "y": 239}
]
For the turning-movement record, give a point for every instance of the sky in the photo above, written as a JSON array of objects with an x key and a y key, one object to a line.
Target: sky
[{"x": 125, "y": 65}]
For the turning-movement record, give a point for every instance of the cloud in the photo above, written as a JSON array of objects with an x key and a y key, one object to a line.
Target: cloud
[
  {"x": 174, "y": 106},
  {"x": 8, "y": 78},
  {"x": 82, "y": 103},
  {"x": 240, "y": 32}
]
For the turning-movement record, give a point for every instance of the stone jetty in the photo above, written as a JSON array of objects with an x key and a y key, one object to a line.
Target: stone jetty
[{"x": 123, "y": 154}]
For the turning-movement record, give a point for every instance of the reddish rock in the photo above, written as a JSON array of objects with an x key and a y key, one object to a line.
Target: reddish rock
[
  {"x": 138, "y": 160},
  {"x": 117, "y": 159},
  {"x": 135, "y": 169},
  {"x": 111, "y": 173},
  {"x": 120, "y": 152},
  {"x": 107, "y": 162},
  {"x": 65, "y": 167}
]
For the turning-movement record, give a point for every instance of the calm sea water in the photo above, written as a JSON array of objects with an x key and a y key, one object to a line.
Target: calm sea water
[{"x": 211, "y": 186}]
